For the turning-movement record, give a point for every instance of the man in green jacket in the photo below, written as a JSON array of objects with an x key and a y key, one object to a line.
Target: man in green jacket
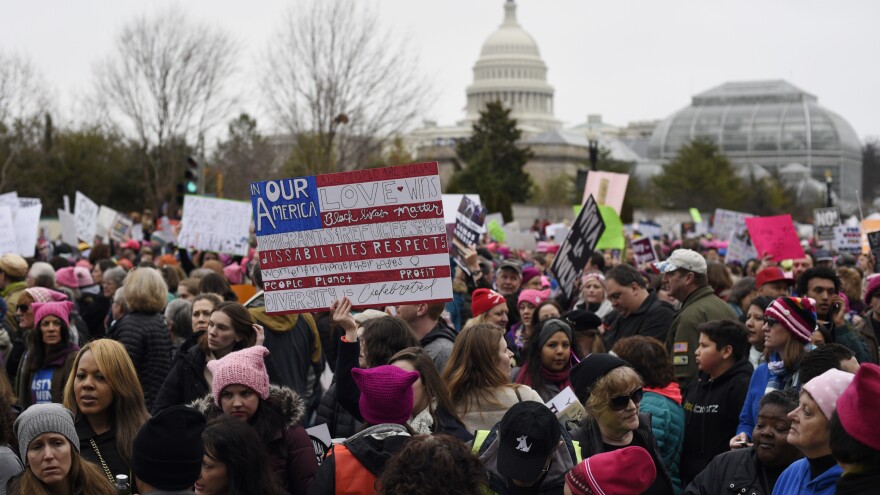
[{"x": 684, "y": 276}]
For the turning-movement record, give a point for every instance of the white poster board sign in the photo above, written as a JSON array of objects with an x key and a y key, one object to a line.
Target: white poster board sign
[
  {"x": 106, "y": 219},
  {"x": 451, "y": 203},
  {"x": 86, "y": 215},
  {"x": 212, "y": 224},
  {"x": 27, "y": 227},
  {"x": 8, "y": 242},
  {"x": 68, "y": 228},
  {"x": 847, "y": 239}
]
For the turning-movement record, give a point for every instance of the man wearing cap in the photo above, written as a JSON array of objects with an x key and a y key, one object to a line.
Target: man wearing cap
[
  {"x": 526, "y": 452},
  {"x": 772, "y": 282},
  {"x": 636, "y": 311},
  {"x": 684, "y": 276},
  {"x": 13, "y": 270}
]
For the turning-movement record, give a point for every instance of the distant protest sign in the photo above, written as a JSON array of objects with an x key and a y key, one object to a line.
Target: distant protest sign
[
  {"x": 607, "y": 188},
  {"x": 27, "y": 222},
  {"x": 574, "y": 252},
  {"x": 740, "y": 248},
  {"x": 376, "y": 236},
  {"x": 451, "y": 203},
  {"x": 649, "y": 229},
  {"x": 643, "y": 249},
  {"x": 212, "y": 224},
  {"x": 613, "y": 237},
  {"x": 85, "y": 212},
  {"x": 847, "y": 239},
  {"x": 106, "y": 218},
  {"x": 68, "y": 227},
  {"x": 468, "y": 228},
  {"x": 775, "y": 236},
  {"x": 8, "y": 242},
  {"x": 824, "y": 221},
  {"x": 727, "y": 222}
]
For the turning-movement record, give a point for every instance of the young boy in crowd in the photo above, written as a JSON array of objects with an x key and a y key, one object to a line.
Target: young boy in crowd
[{"x": 712, "y": 402}]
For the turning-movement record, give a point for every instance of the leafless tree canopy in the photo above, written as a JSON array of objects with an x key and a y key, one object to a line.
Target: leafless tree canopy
[
  {"x": 167, "y": 80},
  {"x": 333, "y": 73}
]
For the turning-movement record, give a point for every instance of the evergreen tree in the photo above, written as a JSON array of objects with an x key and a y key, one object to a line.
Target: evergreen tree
[
  {"x": 700, "y": 176},
  {"x": 493, "y": 163}
]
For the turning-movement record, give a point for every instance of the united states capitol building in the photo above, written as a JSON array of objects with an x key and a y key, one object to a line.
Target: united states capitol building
[{"x": 763, "y": 127}]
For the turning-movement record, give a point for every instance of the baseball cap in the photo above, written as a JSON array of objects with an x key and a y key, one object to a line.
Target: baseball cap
[
  {"x": 683, "y": 259},
  {"x": 771, "y": 274},
  {"x": 528, "y": 433},
  {"x": 513, "y": 265}
]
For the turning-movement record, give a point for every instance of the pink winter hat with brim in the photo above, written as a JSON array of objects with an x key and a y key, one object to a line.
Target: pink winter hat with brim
[
  {"x": 827, "y": 388},
  {"x": 60, "y": 309},
  {"x": 386, "y": 394},
  {"x": 245, "y": 367},
  {"x": 858, "y": 405},
  {"x": 43, "y": 295}
]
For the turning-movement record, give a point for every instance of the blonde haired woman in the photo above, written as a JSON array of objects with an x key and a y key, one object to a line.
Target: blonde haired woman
[
  {"x": 143, "y": 331},
  {"x": 478, "y": 377},
  {"x": 105, "y": 397}
]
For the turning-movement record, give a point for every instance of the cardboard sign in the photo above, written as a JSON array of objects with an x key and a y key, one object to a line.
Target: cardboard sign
[
  {"x": 27, "y": 227},
  {"x": 740, "y": 248},
  {"x": 8, "y": 240},
  {"x": 376, "y": 236},
  {"x": 775, "y": 236},
  {"x": 567, "y": 407},
  {"x": 86, "y": 214},
  {"x": 847, "y": 239},
  {"x": 574, "y": 252},
  {"x": 824, "y": 220},
  {"x": 468, "y": 228},
  {"x": 68, "y": 228},
  {"x": 607, "y": 188},
  {"x": 212, "y": 224},
  {"x": 643, "y": 249},
  {"x": 727, "y": 222}
]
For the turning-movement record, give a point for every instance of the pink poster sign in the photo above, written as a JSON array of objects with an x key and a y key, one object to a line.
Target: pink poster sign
[
  {"x": 775, "y": 236},
  {"x": 607, "y": 188}
]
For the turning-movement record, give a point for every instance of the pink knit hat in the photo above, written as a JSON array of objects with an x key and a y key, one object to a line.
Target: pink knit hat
[
  {"x": 74, "y": 277},
  {"x": 60, "y": 309},
  {"x": 40, "y": 294},
  {"x": 858, "y": 405},
  {"x": 796, "y": 314},
  {"x": 245, "y": 367},
  {"x": 386, "y": 394},
  {"x": 534, "y": 297},
  {"x": 871, "y": 287},
  {"x": 601, "y": 473},
  {"x": 233, "y": 273},
  {"x": 827, "y": 387}
]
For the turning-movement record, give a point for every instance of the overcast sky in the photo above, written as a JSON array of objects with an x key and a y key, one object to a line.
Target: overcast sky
[{"x": 625, "y": 59}]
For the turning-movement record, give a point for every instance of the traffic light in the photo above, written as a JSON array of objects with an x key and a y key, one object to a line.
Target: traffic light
[{"x": 191, "y": 176}]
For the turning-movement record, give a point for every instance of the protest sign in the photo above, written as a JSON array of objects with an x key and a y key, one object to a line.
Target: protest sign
[
  {"x": 517, "y": 239},
  {"x": 376, "y": 236},
  {"x": 824, "y": 221},
  {"x": 607, "y": 188},
  {"x": 868, "y": 226},
  {"x": 496, "y": 232},
  {"x": 740, "y": 248},
  {"x": 451, "y": 202},
  {"x": 86, "y": 214},
  {"x": 727, "y": 222},
  {"x": 557, "y": 231},
  {"x": 574, "y": 252},
  {"x": 212, "y": 224},
  {"x": 468, "y": 227},
  {"x": 8, "y": 241},
  {"x": 695, "y": 214},
  {"x": 643, "y": 249},
  {"x": 775, "y": 236},
  {"x": 498, "y": 217},
  {"x": 613, "y": 237},
  {"x": 649, "y": 229},
  {"x": 27, "y": 222},
  {"x": 121, "y": 229},
  {"x": 10, "y": 199},
  {"x": 68, "y": 228},
  {"x": 106, "y": 219},
  {"x": 847, "y": 239}
]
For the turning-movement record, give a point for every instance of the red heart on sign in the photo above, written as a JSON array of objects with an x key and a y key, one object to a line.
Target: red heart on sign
[{"x": 400, "y": 188}]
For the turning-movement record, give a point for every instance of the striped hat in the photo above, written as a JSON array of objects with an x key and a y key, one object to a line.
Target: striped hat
[{"x": 796, "y": 314}]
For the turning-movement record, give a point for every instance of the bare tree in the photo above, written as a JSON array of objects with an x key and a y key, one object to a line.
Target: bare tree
[
  {"x": 341, "y": 83},
  {"x": 168, "y": 82},
  {"x": 23, "y": 98}
]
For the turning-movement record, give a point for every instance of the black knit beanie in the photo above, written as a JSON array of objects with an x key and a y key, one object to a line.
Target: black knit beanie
[
  {"x": 168, "y": 451},
  {"x": 593, "y": 367}
]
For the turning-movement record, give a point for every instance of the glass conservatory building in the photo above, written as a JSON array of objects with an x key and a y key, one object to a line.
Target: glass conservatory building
[{"x": 770, "y": 123}]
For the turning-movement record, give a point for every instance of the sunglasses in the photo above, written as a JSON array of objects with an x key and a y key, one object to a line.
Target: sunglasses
[
  {"x": 770, "y": 321},
  {"x": 23, "y": 307},
  {"x": 620, "y": 402}
]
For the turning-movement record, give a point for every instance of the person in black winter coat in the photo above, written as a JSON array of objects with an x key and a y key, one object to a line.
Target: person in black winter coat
[
  {"x": 339, "y": 421},
  {"x": 712, "y": 402},
  {"x": 143, "y": 331},
  {"x": 754, "y": 470}
]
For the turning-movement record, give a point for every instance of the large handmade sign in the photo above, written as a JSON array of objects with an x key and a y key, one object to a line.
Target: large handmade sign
[
  {"x": 824, "y": 220},
  {"x": 376, "y": 236},
  {"x": 775, "y": 236},
  {"x": 578, "y": 246},
  {"x": 211, "y": 224},
  {"x": 468, "y": 228}
]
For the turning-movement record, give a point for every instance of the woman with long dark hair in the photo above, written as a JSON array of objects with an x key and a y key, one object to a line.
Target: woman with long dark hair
[
  {"x": 235, "y": 460},
  {"x": 50, "y": 357},
  {"x": 547, "y": 359}
]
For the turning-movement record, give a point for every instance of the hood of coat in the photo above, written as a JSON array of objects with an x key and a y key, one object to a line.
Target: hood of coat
[{"x": 292, "y": 406}]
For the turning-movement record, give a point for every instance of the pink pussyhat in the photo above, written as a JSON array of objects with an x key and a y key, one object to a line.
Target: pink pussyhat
[{"x": 386, "y": 394}]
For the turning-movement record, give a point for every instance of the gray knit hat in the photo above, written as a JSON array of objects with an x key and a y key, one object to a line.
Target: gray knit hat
[{"x": 44, "y": 418}]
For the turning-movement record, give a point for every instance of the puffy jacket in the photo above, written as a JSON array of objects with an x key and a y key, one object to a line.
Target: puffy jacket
[
  {"x": 667, "y": 424},
  {"x": 186, "y": 380},
  {"x": 590, "y": 438},
  {"x": 652, "y": 319},
  {"x": 736, "y": 472},
  {"x": 701, "y": 305},
  {"x": 148, "y": 342},
  {"x": 353, "y": 466},
  {"x": 339, "y": 421},
  {"x": 566, "y": 456},
  {"x": 795, "y": 480},
  {"x": 712, "y": 409},
  {"x": 296, "y": 464}
]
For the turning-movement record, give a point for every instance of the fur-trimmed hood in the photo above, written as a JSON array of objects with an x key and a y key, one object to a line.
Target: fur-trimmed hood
[{"x": 292, "y": 406}]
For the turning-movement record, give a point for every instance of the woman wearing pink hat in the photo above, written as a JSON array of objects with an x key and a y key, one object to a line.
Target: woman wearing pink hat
[
  {"x": 526, "y": 303},
  {"x": 51, "y": 356}
]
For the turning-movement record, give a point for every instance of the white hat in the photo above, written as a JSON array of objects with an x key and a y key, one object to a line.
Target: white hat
[{"x": 683, "y": 259}]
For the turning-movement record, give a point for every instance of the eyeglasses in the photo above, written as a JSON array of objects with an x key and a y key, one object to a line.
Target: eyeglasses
[
  {"x": 770, "y": 321},
  {"x": 620, "y": 402},
  {"x": 23, "y": 307}
]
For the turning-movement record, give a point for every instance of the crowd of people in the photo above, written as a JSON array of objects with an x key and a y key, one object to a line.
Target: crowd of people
[{"x": 141, "y": 368}]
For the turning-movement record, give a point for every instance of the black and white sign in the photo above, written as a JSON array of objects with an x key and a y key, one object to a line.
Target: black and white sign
[
  {"x": 468, "y": 228},
  {"x": 578, "y": 246},
  {"x": 824, "y": 221}
]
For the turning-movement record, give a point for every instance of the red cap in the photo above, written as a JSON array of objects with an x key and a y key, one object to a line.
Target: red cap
[
  {"x": 771, "y": 274},
  {"x": 857, "y": 406},
  {"x": 483, "y": 300}
]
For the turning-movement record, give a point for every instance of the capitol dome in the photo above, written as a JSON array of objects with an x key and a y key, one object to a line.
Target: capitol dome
[
  {"x": 510, "y": 69},
  {"x": 770, "y": 123}
]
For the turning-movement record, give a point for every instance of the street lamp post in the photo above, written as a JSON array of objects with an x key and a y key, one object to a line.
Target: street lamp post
[
  {"x": 828, "y": 182},
  {"x": 594, "y": 150}
]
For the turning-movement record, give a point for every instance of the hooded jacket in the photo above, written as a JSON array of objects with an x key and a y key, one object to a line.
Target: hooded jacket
[
  {"x": 369, "y": 451},
  {"x": 652, "y": 319},
  {"x": 297, "y": 464},
  {"x": 667, "y": 424},
  {"x": 711, "y": 410},
  {"x": 438, "y": 344},
  {"x": 738, "y": 472},
  {"x": 186, "y": 380},
  {"x": 795, "y": 480}
]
